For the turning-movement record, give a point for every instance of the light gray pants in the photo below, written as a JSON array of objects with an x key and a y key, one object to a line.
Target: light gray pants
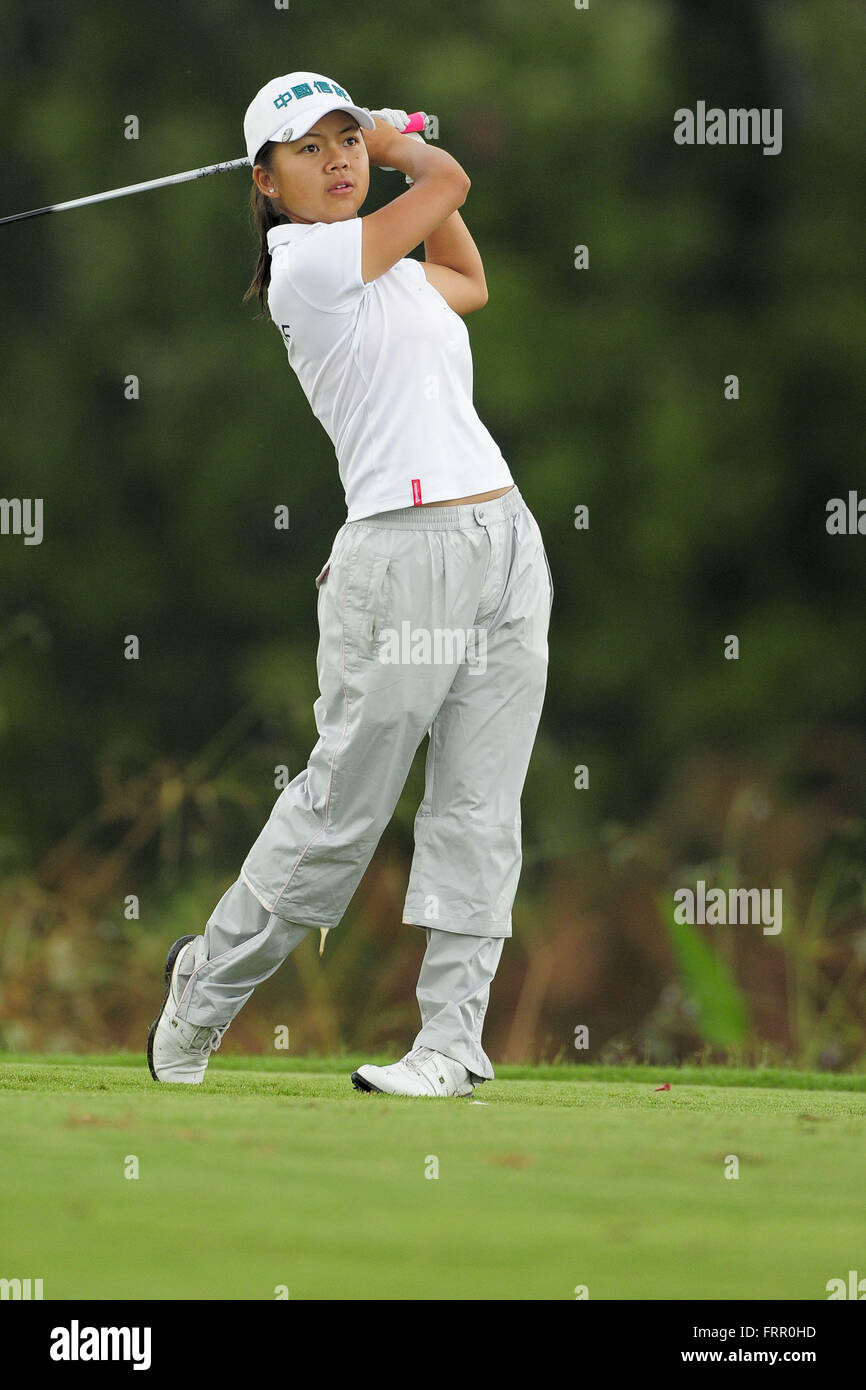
[{"x": 431, "y": 620}]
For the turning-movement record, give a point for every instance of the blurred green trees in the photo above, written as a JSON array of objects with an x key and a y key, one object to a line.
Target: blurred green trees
[{"x": 603, "y": 387}]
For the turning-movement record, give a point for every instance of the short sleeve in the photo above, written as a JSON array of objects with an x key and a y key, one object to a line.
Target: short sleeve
[
  {"x": 324, "y": 267},
  {"x": 420, "y": 275}
]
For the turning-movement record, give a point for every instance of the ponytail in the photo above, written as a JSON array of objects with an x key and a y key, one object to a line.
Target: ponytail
[{"x": 264, "y": 216}]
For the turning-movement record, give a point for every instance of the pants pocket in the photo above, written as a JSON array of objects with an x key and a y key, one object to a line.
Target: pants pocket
[
  {"x": 367, "y": 606},
  {"x": 322, "y": 576},
  {"x": 377, "y": 605}
]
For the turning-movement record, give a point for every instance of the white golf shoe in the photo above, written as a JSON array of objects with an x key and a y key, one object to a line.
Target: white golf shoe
[
  {"x": 176, "y": 1050},
  {"x": 422, "y": 1072}
]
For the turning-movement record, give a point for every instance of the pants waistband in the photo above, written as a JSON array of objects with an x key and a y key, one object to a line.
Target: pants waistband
[{"x": 462, "y": 518}]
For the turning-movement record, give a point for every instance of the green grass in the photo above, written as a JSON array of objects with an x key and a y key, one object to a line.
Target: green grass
[{"x": 276, "y": 1172}]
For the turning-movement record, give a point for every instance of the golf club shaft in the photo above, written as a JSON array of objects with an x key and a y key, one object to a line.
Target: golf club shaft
[
  {"x": 131, "y": 188},
  {"x": 417, "y": 120}
]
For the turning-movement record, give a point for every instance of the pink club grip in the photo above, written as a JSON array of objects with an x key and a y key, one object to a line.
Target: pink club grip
[{"x": 417, "y": 122}]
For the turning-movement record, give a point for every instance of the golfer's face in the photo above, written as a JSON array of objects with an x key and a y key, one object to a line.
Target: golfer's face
[{"x": 306, "y": 170}]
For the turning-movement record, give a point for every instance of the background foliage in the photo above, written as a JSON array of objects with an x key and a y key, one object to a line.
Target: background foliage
[{"x": 603, "y": 387}]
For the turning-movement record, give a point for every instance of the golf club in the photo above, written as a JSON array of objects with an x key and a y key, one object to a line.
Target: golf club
[{"x": 417, "y": 122}]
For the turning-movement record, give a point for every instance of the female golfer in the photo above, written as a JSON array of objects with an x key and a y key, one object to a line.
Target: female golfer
[{"x": 433, "y": 607}]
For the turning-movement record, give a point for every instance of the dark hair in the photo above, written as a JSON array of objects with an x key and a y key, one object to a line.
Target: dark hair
[{"x": 264, "y": 215}]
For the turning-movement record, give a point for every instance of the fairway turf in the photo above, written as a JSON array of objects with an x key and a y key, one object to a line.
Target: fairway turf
[{"x": 275, "y": 1173}]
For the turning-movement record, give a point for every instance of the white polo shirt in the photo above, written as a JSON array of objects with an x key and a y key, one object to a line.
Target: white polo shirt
[{"x": 386, "y": 367}]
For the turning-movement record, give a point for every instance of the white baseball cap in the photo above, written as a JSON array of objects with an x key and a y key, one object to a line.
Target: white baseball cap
[{"x": 287, "y": 107}]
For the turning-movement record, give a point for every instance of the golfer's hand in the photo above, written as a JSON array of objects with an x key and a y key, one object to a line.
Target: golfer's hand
[
  {"x": 399, "y": 120},
  {"x": 380, "y": 142}
]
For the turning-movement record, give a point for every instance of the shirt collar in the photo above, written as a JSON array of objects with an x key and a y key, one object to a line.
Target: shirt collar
[{"x": 283, "y": 232}]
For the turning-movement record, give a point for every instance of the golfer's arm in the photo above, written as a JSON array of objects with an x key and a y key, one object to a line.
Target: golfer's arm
[{"x": 451, "y": 245}]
